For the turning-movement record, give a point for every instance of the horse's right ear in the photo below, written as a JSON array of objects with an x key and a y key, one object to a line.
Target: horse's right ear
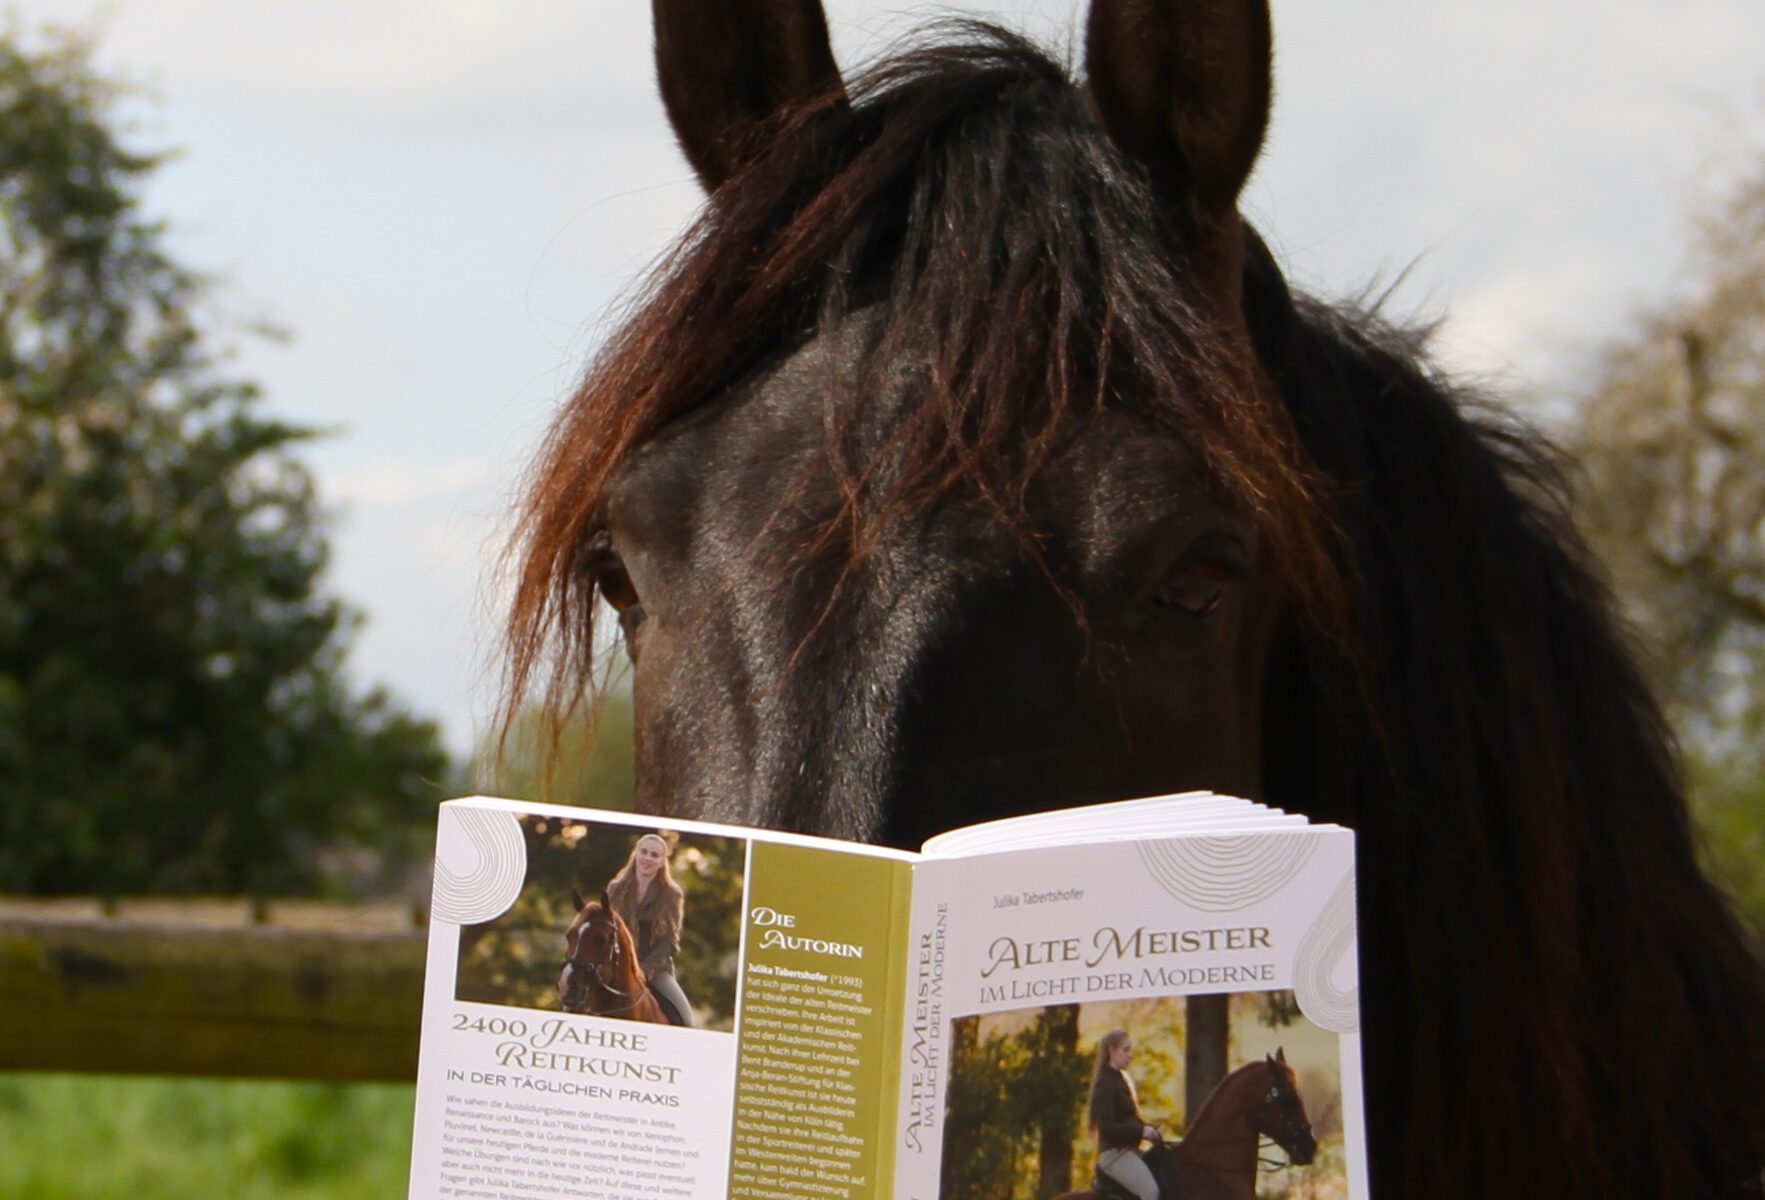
[
  {"x": 726, "y": 68},
  {"x": 1183, "y": 88},
  {"x": 577, "y": 900}
]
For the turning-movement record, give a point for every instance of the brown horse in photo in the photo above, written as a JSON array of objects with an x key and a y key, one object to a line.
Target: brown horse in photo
[
  {"x": 600, "y": 974},
  {"x": 1217, "y": 1158},
  {"x": 971, "y": 455}
]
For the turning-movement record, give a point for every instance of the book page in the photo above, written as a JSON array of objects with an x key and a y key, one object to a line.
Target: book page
[
  {"x": 546, "y": 1070},
  {"x": 1096, "y": 822},
  {"x": 1225, "y": 959}
]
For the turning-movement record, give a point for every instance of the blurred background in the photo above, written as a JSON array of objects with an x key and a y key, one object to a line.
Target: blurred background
[{"x": 288, "y": 293}]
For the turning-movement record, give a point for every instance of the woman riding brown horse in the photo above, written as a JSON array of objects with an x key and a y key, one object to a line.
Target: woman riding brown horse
[
  {"x": 653, "y": 907},
  {"x": 1217, "y": 1158}
]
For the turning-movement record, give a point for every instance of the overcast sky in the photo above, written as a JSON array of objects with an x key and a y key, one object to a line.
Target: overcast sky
[{"x": 441, "y": 199}]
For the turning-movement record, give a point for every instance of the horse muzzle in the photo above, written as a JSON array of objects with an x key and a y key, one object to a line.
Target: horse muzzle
[{"x": 569, "y": 991}]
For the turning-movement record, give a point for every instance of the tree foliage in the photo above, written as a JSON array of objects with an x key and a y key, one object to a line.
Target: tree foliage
[
  {"x": 173, "y": 708},
  {"x": 1008, "y": 1092},
  {"x": 1672, "y": 440}
]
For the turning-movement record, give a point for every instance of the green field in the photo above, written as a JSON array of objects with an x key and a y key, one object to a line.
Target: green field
[{"x": 98, "y": 1137}]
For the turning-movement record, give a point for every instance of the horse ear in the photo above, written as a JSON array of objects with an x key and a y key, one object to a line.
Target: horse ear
[
  {"x": 726, "y": 67},
  {"x": 1182, "y": 87},
  {"x": 606, "y": 904},
  {"x": 1281, "y": 1055},
  {"x": 576, "y": 899}
]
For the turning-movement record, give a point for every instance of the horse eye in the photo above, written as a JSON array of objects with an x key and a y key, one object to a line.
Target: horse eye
[
  {"x": 613, "y": 582},
  {"x": 1196, "y": 589},
  {"x": 630, "y": 617}
]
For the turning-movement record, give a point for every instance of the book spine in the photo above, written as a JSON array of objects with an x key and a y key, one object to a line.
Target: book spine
[{"x": 923, "y": 1055}]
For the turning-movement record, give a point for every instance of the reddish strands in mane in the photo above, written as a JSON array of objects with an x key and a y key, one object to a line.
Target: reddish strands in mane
[{"x": 791, "y": 242}]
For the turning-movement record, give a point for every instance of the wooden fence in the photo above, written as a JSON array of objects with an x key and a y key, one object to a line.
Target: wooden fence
[{"x": 288, "y": 989}]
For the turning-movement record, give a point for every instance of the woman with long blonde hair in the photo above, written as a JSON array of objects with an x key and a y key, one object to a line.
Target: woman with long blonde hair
[
  {"x": 652, "y": 906},
  {"x": 1115, "y": 1117}
]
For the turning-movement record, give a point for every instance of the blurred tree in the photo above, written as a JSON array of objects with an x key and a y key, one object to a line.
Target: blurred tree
[
  {"x": 1207, "y": 1037},
  {"x": 1672, "y": 439},
  {"x": 586, "y": 760},
  {"x": 173, "y": 712},
  {"x": 1015, "y": 1104},
  {"x": 983, "y": 1143},
  {"x": 1055, "y": 1082}
]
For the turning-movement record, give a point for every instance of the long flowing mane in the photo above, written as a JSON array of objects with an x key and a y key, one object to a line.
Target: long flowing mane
[
  {"x": 1529, "y": 895},
  {"x": 1451, "y": 681}
]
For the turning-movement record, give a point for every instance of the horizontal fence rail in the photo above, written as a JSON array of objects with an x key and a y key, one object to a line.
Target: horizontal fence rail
[{"x": 289, "y": 990}]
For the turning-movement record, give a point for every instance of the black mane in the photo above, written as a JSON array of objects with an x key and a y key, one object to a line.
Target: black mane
[{"x": 1530, "y": 902}]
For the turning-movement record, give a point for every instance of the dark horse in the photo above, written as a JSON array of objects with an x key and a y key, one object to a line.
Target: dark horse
[
  {"x": 600, "y": 974},
  {"x": 971, "y": 455},
  {"x": 1218, "y": 1156}
]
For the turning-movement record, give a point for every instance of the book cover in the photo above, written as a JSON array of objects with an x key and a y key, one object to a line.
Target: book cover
[
  {"x": 782, "y": 1017},
  {"x": 1225, "y": 960}
]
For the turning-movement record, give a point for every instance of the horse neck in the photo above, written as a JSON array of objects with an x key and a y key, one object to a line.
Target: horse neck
[
  {"x": 630, "y": 971},
  {"x": 1218, "y": 1151}
]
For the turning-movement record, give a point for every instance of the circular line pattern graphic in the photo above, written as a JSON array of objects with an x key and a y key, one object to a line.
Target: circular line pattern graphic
[
  {"x": 1328, "y": 943},
  {"x": 480, "y": 865},
  {"x": 1222, "y": 874}
]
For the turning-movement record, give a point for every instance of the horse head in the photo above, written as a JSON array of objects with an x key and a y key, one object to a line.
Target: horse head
[
  {"x": 597, "y": 947},
  {"x": 1280, "y": 1115},
  {"x": 965, "y": 374},
  {"x": 972, "y": 456}
]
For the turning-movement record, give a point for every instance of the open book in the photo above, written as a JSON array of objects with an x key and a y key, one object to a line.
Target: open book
[{"x": 865, "y": 1022}]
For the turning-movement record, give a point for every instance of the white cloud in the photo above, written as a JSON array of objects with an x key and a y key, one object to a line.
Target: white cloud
[{"x": 391, "y": 482}]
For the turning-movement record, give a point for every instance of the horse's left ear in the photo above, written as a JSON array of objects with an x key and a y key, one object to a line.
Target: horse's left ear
[
  {"x": 726, "y": 68},
  {"x": 1280, "y": 1056},
  {"x": 606, "y": 904},
  {"x": 1183, "y": 86}
]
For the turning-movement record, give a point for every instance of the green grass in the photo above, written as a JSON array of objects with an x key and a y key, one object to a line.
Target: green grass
[{"x": 99, "y": 1137}]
